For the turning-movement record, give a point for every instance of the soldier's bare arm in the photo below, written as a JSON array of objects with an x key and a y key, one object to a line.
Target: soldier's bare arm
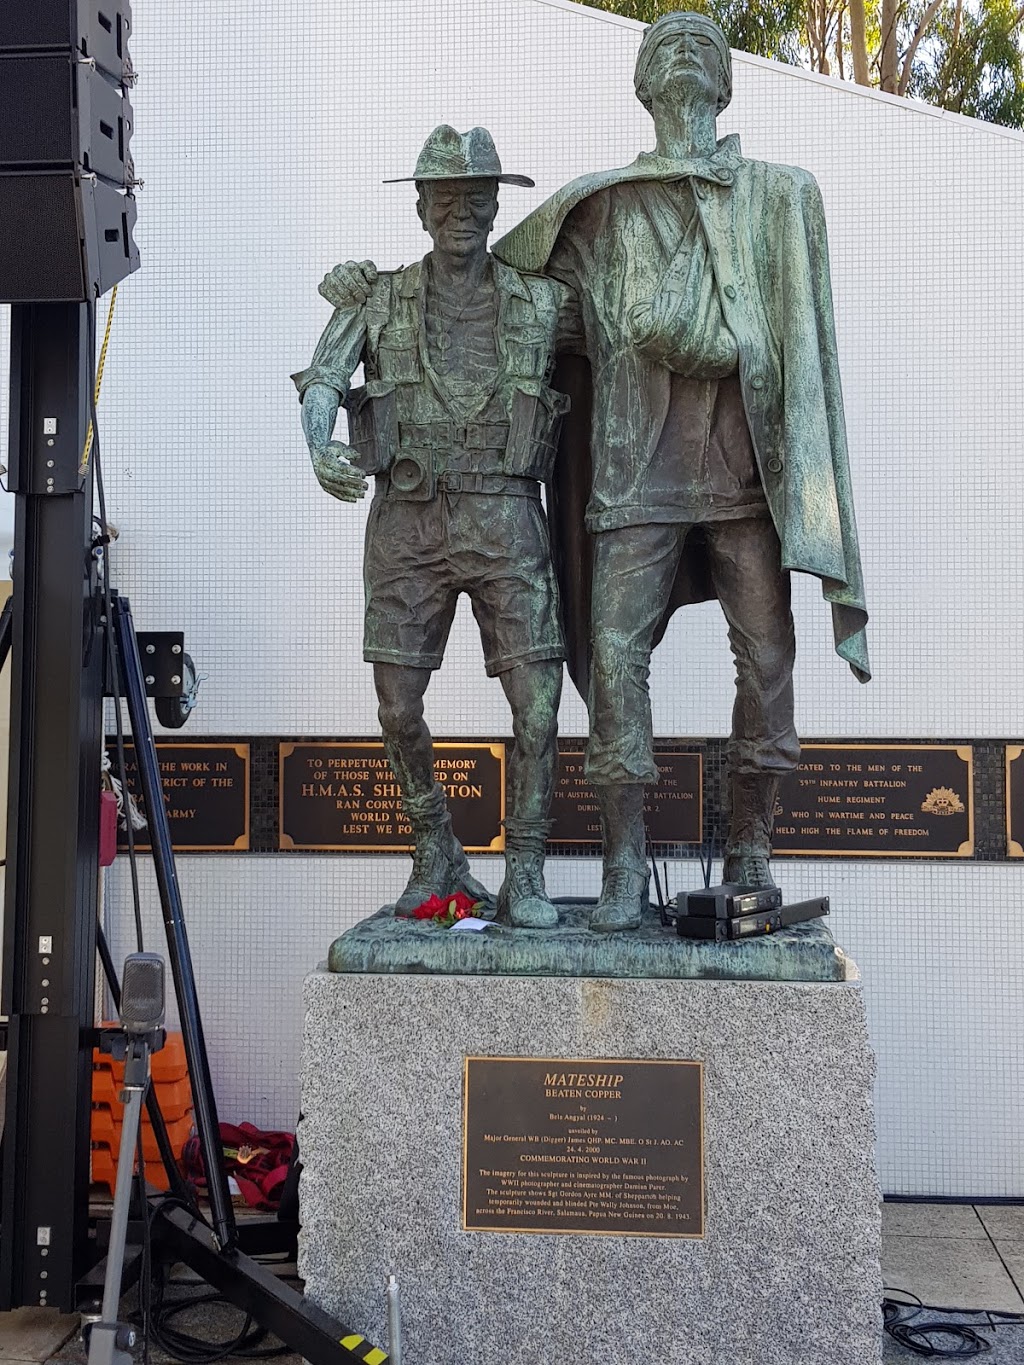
[{"x": 332, "y": 460}]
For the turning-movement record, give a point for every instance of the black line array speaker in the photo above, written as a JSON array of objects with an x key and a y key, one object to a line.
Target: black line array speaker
[{"x": 67, "y": 211}]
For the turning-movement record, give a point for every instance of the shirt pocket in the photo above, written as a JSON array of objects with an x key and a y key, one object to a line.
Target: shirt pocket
[
  {"x": 528, "y": 351},
  {"x": 398, "y": 356}
]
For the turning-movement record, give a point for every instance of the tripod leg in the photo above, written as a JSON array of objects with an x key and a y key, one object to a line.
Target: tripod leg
[
  {"x": 109, "y": 1340},
  {"x": 174, "y": 924}
]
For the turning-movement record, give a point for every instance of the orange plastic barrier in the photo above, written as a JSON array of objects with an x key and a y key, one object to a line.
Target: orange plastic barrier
[{"x": 169, "y": 1072}]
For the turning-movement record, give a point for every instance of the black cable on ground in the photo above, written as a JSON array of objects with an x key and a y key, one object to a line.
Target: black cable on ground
[
  {"x": 193, "y": 1350},
  {"x": 934, "y": 1338}
]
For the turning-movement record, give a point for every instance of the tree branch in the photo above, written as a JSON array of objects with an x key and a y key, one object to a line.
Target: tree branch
[
  {"x": 859, "y": 42},
  {"x": 908, "y": 60},
  {"x": 887, "y": 58},
  {"x": 949, "y": 59}
]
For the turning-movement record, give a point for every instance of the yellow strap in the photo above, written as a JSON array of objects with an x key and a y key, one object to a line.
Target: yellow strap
[
  {"x": 351, "y": 1342},
  {"x": 375, "y": 1356},
  {"x": 84, "y": 465}
]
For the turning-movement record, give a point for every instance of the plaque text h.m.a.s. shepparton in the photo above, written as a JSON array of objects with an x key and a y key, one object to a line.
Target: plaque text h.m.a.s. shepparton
[{"x": 600, "y": 1146}]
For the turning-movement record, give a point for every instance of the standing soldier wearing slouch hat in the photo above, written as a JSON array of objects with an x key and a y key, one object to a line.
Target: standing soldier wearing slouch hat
[
  {"x": 459, "y": 425},
  {"x": 718, "y": 458}
]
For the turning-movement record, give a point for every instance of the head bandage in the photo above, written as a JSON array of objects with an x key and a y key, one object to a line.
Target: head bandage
[{"x": 679, "y": 22}]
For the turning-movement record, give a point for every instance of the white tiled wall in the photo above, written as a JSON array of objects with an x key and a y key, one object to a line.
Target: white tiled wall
[{"x": 263, "y": 138}]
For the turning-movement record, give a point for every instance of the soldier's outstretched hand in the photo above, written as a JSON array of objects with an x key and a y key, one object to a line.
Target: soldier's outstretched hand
[
  {"x": 349, "y": 285},
  {"x": 337, "y": 474}
]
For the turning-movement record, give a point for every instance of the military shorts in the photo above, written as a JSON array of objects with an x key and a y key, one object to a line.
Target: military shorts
[{"x": 421, "y": 555}]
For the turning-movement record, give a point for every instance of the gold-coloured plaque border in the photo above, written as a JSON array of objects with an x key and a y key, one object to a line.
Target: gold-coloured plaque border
[
  {"x": 665, "y": 753},
  {"x": 241, "y": 844},
  {"x": 1014, "y": 848},
  {"x": 965, "y": 850},
  {"x": 585, "y": 1232},
  {"x": 286, "y": 748}
]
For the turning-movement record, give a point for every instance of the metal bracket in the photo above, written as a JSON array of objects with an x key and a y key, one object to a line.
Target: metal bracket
[{"x": 163, "y": 663}]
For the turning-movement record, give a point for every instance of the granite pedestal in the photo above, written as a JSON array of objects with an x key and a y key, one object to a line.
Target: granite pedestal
[{"x": 788, "y": 1271}]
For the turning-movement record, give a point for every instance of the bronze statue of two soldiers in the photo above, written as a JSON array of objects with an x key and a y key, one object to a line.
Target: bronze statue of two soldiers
[{"x": 694, "y": 283}]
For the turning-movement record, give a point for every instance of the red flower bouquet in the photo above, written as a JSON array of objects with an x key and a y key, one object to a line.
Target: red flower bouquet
[{"x": 445, "y": 910}]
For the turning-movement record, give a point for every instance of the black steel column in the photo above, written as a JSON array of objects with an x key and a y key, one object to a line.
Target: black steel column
[{"x": 52, "y": 850}]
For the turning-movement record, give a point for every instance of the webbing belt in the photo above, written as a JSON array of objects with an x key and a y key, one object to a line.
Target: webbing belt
[{"x": 469, "y": 435}]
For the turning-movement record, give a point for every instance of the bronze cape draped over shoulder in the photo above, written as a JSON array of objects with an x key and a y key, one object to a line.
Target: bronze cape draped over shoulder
[{"x": 765, "y": 230}]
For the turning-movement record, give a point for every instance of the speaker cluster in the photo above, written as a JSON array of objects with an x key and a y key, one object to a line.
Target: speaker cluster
[{"x": 67, "y": 211}]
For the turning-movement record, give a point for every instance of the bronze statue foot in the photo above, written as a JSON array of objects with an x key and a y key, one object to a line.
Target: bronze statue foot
[
  {"x": 748, "y": 869},
  {"x": 624, "y": 896},
  {"x": 523, "y": 900}
]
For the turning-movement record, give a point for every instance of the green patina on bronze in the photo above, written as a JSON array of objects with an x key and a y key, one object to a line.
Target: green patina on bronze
[
  {"x": 457, "y": 422},
  {"x": 764, "y": 228},
  {"x": 806, "y": 952},
  {"x": 704, "y": 456}
]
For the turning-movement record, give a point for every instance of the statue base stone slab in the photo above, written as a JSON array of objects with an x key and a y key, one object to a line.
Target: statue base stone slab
[
  {"x": 382, "y": 943},
  {"x": 788, "y": 1270}
]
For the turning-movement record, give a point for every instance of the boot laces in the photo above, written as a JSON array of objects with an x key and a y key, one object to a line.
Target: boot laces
[
  {"x": 754, "y": 869},
  {"x": 428, "y": 856},
  {"x": 526, "y": 878}
]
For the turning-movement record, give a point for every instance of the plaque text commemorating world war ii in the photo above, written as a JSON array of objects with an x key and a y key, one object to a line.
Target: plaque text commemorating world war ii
[
  {"x": 585, "y": 1146},
  {"x": 1015, "y": 800},
  {"x": 878, "y": 801},
  {"x": 672, "y": 808},
  {"x": 344, "y": 797},
  {"x": 206, "y": 792}
]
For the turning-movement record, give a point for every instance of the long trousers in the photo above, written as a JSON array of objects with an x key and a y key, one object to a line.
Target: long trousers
[{"x": 634, "y": 571}]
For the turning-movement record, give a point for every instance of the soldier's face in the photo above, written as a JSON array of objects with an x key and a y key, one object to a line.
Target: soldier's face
[
  {"x": 686, "y": 63},
  {"x": 458, "y": 214}
]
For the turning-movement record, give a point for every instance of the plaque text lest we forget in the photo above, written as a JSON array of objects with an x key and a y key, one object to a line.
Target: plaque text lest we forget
[
  {"x": 611, "y": 1146},
  {"x": 344, "y": 796}
]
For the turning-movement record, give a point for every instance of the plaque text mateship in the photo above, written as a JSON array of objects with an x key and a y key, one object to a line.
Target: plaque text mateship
[{"x": 583, "y": 1146}]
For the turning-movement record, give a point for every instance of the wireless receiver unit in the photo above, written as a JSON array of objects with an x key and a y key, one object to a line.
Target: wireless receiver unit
[{"x": 731, "y": 911}]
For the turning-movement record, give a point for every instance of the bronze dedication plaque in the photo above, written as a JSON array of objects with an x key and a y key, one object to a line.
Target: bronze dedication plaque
[
  {"x": 605, "y": 1146},
  {"x": 344, "y": 797},
  {"x": 1015, "y": 800},
  {"x": 206, "y": 792},
  {"x": 878, "y": 801},
  {"x": 672, "y": 807}
]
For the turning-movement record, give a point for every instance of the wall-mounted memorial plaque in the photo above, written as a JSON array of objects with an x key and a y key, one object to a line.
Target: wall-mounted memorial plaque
[
  {"x": 672, "y": 809},
  {"x": 1015, "y": 800},
  {"x": 553, "y": 1145},
  {"x": 345, "y": 797},
  {"x": 206, "y": 792},
  {"x": 878, "y": 801}
]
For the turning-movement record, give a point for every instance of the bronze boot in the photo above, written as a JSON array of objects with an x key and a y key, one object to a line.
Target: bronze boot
[
  {"x": 750, "y": 829},
  {"x": 523, "y": 900},
  {"x": 626, "y": 877},
  {"x": 439, "y": 865}
]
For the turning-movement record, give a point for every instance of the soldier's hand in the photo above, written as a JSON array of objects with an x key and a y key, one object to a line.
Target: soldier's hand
[
  {"x": 337, "y": 474},
  {"x": 349, "y": 285}
]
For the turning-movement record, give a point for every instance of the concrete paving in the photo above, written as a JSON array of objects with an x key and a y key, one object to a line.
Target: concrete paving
[{"x": 949, "y": 1255}]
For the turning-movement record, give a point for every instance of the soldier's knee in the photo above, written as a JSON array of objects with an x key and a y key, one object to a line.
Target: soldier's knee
[
  {"x": 400, "y": 715},
  {"x": 615, "y": 655}
]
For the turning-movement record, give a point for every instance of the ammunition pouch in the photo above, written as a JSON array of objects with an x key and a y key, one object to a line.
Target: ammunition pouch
[
  {"x": 413, "y": 476},
  {"x": 536, "y": 414},
  {"x": 373, "y": 425}
]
